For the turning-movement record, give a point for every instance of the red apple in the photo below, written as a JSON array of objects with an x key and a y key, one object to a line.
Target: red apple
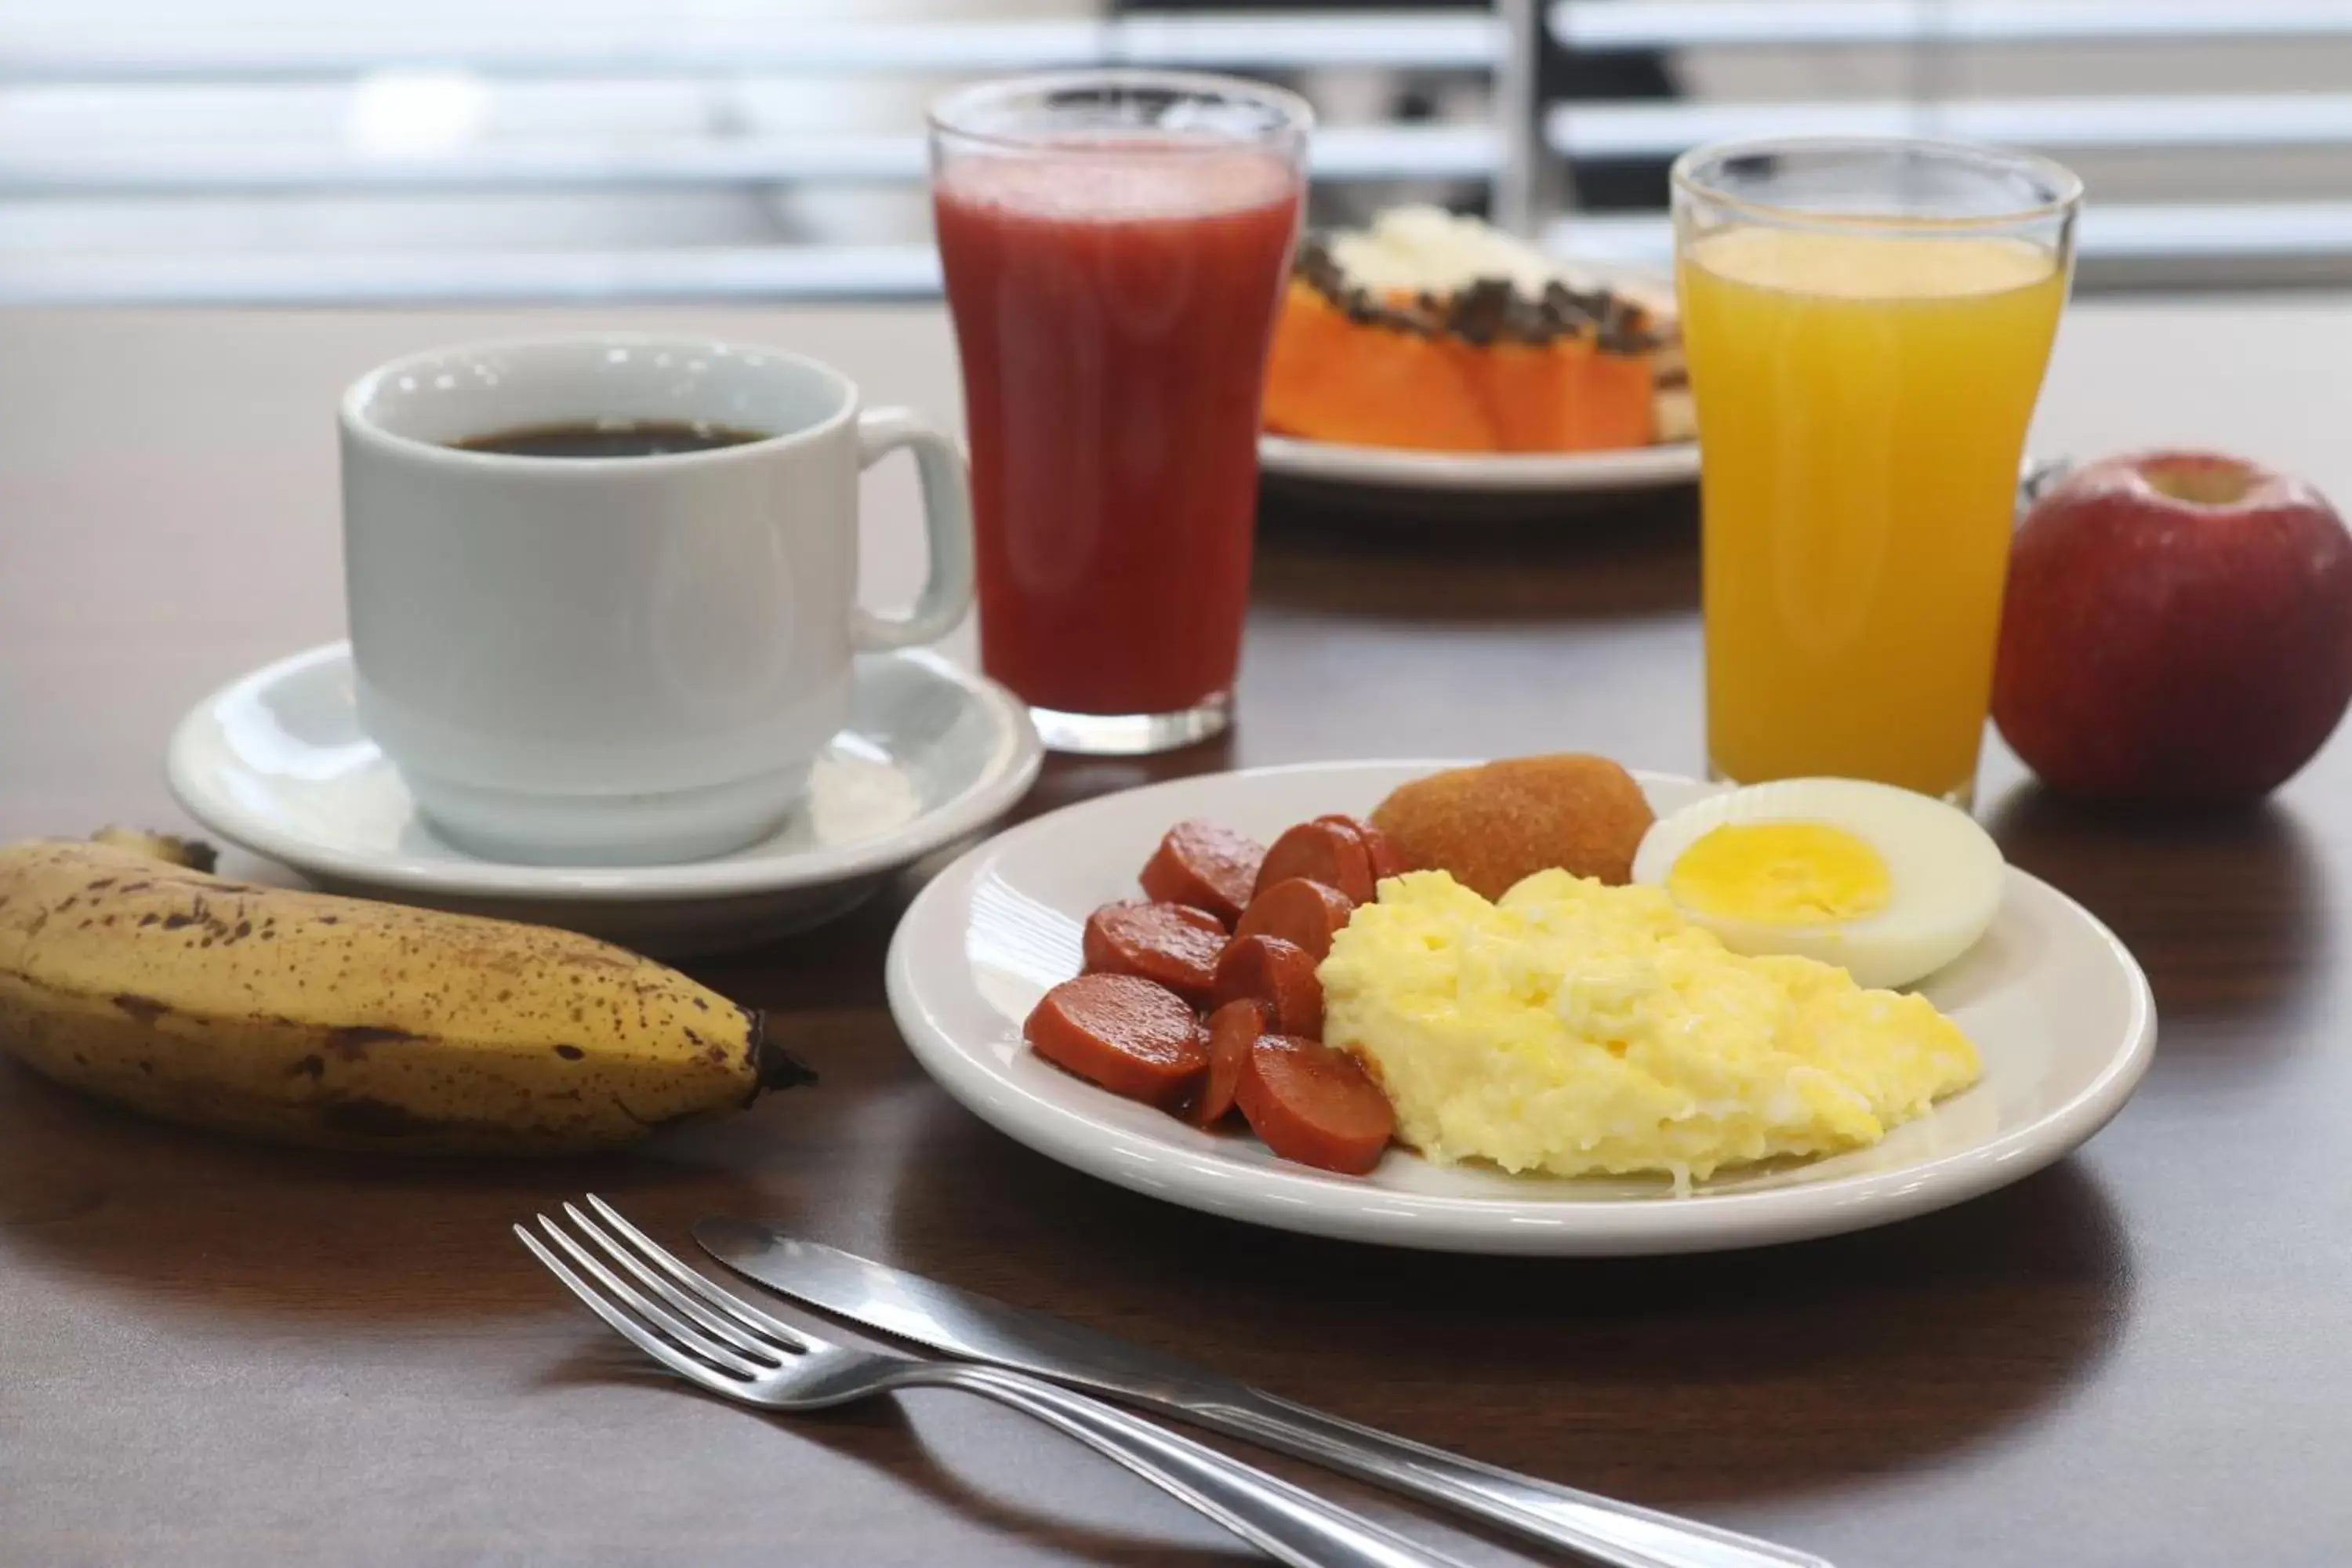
[{"x": 2178, "y": 626}]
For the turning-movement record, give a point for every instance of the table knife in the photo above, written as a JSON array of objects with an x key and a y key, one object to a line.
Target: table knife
[{"x": 959, "y": 1324}]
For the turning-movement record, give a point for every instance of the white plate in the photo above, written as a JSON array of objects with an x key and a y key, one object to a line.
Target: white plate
[
  {"x": 2060, "y": 1011},
  {"x": 1491, "y": 473},
  {"x": 1470, "y": 486},
  {"x": 276, "y": 762}
]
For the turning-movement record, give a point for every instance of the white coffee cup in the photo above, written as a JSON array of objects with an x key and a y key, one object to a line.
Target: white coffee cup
[{"x": 625, "y": 659}]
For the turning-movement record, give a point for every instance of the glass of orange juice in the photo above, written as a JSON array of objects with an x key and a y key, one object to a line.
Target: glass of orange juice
[{"x": 1867, "y": 322}]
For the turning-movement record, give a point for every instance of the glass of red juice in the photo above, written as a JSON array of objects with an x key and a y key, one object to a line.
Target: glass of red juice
[{"x": 1116, "y": 245}]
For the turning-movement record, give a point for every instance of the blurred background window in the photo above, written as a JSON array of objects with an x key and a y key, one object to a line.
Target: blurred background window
[{"x": 252, "y": 150}]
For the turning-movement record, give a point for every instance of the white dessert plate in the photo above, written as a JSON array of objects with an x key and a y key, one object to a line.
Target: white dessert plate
[
  {"x": 2060, "y": 1010},
  {"x": 274, "y": 762},
  {"x": 1497, "y": 486}
]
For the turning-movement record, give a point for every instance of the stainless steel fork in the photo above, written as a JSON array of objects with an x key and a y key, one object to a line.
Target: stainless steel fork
[{"x": 754, "y": 1355}]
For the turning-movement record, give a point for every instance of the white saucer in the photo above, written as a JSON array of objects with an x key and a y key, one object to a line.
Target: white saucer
[
  {"x": 274, "y": 762},
  {"x": 2059, "y": 1009}
]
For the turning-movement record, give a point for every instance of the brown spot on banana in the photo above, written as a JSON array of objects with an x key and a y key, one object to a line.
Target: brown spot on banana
[
  {"x": 351, "y": 1041},
  {"x": 146, "y": 1009}
]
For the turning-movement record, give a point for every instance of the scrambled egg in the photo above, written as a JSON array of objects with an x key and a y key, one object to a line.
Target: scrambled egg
[{"x": 1577, "y": 1029}]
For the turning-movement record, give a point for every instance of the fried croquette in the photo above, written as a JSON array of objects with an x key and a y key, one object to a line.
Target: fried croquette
[{"x": 1491, "y": 825}]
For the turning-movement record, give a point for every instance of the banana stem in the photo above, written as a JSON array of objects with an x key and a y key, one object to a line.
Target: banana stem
[{"x": 777, "y": 1067}]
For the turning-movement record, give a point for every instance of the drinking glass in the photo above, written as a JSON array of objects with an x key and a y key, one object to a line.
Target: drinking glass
[
  {"x": 1116, "y": 245},
  {"x": 1867, "y": 322}
]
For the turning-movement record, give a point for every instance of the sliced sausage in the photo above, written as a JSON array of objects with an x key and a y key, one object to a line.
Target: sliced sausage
[
  {"x": 1206, "y": 867},
  {"x": 1234, "y": 1028},
  {"x": 1300, "y": 912},
  {"x": 1178, "y": 947},
  {"x": 1278, "y": 974},
  {"x": 1136, "y": 1039},
  {"x": 1315, "y": 1105},
  {"x": 1387, "y": 860},
  {"x": 1321, "y": 851}
]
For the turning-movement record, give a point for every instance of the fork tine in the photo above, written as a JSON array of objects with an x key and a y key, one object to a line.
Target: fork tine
[
  {"x": 681, "y": 1334},
  {"x": 700, "y": 1284},
  {"x": 628, "y": 1328},
  {"x": 648, "y": 1271}
]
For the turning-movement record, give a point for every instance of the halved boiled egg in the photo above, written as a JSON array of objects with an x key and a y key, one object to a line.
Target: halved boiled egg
[{"x": 1888, "y": 885}]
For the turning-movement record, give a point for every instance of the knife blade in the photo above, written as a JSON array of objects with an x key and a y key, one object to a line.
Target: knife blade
[
  {"x": 957, "y": 1322},
  {"x": 963, "y": 1323}
]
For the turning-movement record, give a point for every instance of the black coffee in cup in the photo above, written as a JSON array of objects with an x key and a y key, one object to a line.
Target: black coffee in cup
[{"x": 608, "y": 438}]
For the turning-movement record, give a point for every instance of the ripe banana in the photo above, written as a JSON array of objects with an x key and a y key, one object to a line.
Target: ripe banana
[{"x": 339, "y": 1022}]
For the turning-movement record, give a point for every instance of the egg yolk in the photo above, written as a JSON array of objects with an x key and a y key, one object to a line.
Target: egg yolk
[{"x": 1780, "y": 873}]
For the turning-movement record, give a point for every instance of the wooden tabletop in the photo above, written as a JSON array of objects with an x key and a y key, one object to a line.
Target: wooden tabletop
[{"x": 217, "y": 1353}]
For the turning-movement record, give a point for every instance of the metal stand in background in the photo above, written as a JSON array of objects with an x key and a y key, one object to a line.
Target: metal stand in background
[{"x": 1519, "y": 119}]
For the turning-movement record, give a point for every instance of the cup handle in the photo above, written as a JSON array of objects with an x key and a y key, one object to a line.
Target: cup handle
[{"x": 947, "y": 530}]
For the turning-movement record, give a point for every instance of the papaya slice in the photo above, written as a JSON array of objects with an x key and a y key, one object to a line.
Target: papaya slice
[
  {"x": 1565, "y": 395},
  {"x": 1372, "y": 383}
]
